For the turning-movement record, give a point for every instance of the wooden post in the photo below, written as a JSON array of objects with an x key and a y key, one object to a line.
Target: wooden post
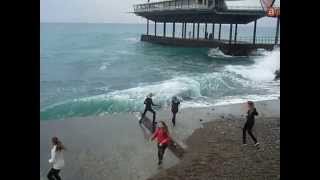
[
  {"x": 277, "y": 31},
  {"x": 219, "y": 31},
  {"x": 254, "y": 31}
]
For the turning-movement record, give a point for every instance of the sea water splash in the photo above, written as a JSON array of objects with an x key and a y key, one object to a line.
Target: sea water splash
[
  {"x": 195, "y": 91},
  {"x": 262, "y": 70},
  {"x": 216, "y": 52},
  {"x": 124, "y": 100}
]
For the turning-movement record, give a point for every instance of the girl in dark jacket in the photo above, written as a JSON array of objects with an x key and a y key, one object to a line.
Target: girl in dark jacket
[
  {"x": 252, "y": 111},
  {"x": 174, "y": 109}
]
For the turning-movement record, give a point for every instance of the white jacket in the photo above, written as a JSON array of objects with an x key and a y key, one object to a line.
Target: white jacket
[{"x": 56, "y": 158}]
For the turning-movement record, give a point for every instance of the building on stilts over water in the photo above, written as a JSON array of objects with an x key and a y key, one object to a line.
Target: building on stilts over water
[{"x": 189, "y": 15}]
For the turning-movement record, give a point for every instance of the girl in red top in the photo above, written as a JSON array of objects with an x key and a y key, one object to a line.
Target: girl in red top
[{"x": 163, "y": 139}]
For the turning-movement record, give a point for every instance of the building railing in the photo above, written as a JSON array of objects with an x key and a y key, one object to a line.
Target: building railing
[
  {"x": 239, "y": 40},
  {"x": 247, "y": 39},
  {"x": 167, "y": 5},
  {"x": 249, "y": 8},
  {"x": 174, "y": 5}
]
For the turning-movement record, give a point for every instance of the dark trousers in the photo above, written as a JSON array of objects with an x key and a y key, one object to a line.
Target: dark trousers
[
  {"x": 153, "y": 119},
  {"x": 54, "y": 174},
  {"x": 248, "y": 127},
  {"x": 151, "y": 110},
  {"x": 161, "y": 150},
  {"x": 174, "y": 118}
]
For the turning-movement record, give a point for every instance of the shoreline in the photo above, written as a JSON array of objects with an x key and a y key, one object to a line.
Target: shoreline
[
  {"x": 215, "y": 150},
  {"x": 110, "y": 145}
]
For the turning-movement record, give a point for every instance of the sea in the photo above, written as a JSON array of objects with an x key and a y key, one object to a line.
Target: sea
[{"x": 90, "y": 69}]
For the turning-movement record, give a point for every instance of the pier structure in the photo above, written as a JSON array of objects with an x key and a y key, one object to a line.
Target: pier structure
[{"x": 213, "y": 15}]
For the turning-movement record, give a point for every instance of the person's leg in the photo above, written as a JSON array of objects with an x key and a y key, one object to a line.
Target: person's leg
[
  {"x": 161, "y": 150},
  {"x": 244, "y": 134},
  {"x": 154, "y": 115},
  {"x": 56, "y": 174},
  {"x": 153, "y": 120},
  {"x": 143, "y": 115},
  {"x": 252, "y": 136},
  {"x": 159, "y": 154},
  {"x": 174, "y": 118},
  {"x": 51, "y": 174}
]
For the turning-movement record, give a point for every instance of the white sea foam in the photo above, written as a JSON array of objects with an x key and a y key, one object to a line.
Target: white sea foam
[
  {"x": 104, "y": 66},
  {"x": 241, "y": 99},
  {"x": 262, "y": 70},
  {"x": 216, "y": 52},
  {"x": 132, "y": 39}
]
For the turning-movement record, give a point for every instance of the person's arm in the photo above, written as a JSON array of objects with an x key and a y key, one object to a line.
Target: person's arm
[
  {"x": 53, "y": 155},
  {"x": 145, "y": 101},
  {"x": 153, "y": 103},
  {"x": 155, "y": 134},
  {"x": 255, "y": 112}
]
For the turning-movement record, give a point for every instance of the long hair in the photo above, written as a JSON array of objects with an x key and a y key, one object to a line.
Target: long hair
[
  {"x": 251, "y": 105},
  {"x": 165, "y": 127},
  {"x": 58, "y": 143}
]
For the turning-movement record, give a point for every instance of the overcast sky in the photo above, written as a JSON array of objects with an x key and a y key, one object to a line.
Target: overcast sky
[{"x": 98, "y": 11}]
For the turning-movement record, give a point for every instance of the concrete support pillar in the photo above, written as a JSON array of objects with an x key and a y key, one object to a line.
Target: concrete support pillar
[
  {"x": 205, "y": 30},
  {"x": 219, "y": 31},
  {"x": 185, "y": 30},
  {"x": 155, "y": 28},
  {"x": 277, "y": 31},
  {"x": 235, "y": 34},
  {"x": 173, "y": 29},
  {"x": 198, "y": 31},
  {"x": 254, "y": 31},
  {"x": 193, "y": 30},
  {"x": 164, "y": 29},
  {"x": 182, "y": 30},
  {"x": 147, "y": 26},
  {"x": 213, "y": 30},
  {"x": 230, "y": 33}
]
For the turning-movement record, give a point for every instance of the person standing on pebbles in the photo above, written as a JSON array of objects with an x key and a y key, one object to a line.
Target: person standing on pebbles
[
  {"x": 148, "y": 107},
  {"x": 163, "y": 138},
  {"x": 174, "y": 109},
  {"x": 252, "y": 112},
  {"x": 56, "y": 159}
]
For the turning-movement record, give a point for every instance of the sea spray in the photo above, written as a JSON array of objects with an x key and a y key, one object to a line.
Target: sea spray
[{"x": 262, "y": 70}]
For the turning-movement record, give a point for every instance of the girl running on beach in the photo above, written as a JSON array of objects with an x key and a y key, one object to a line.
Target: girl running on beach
[
  {"x": 56, "y": 159},
  {"x": 174, "y": 109},
  {"x": 250, "y": 123},
  {"x": 163, "y": 139}
]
